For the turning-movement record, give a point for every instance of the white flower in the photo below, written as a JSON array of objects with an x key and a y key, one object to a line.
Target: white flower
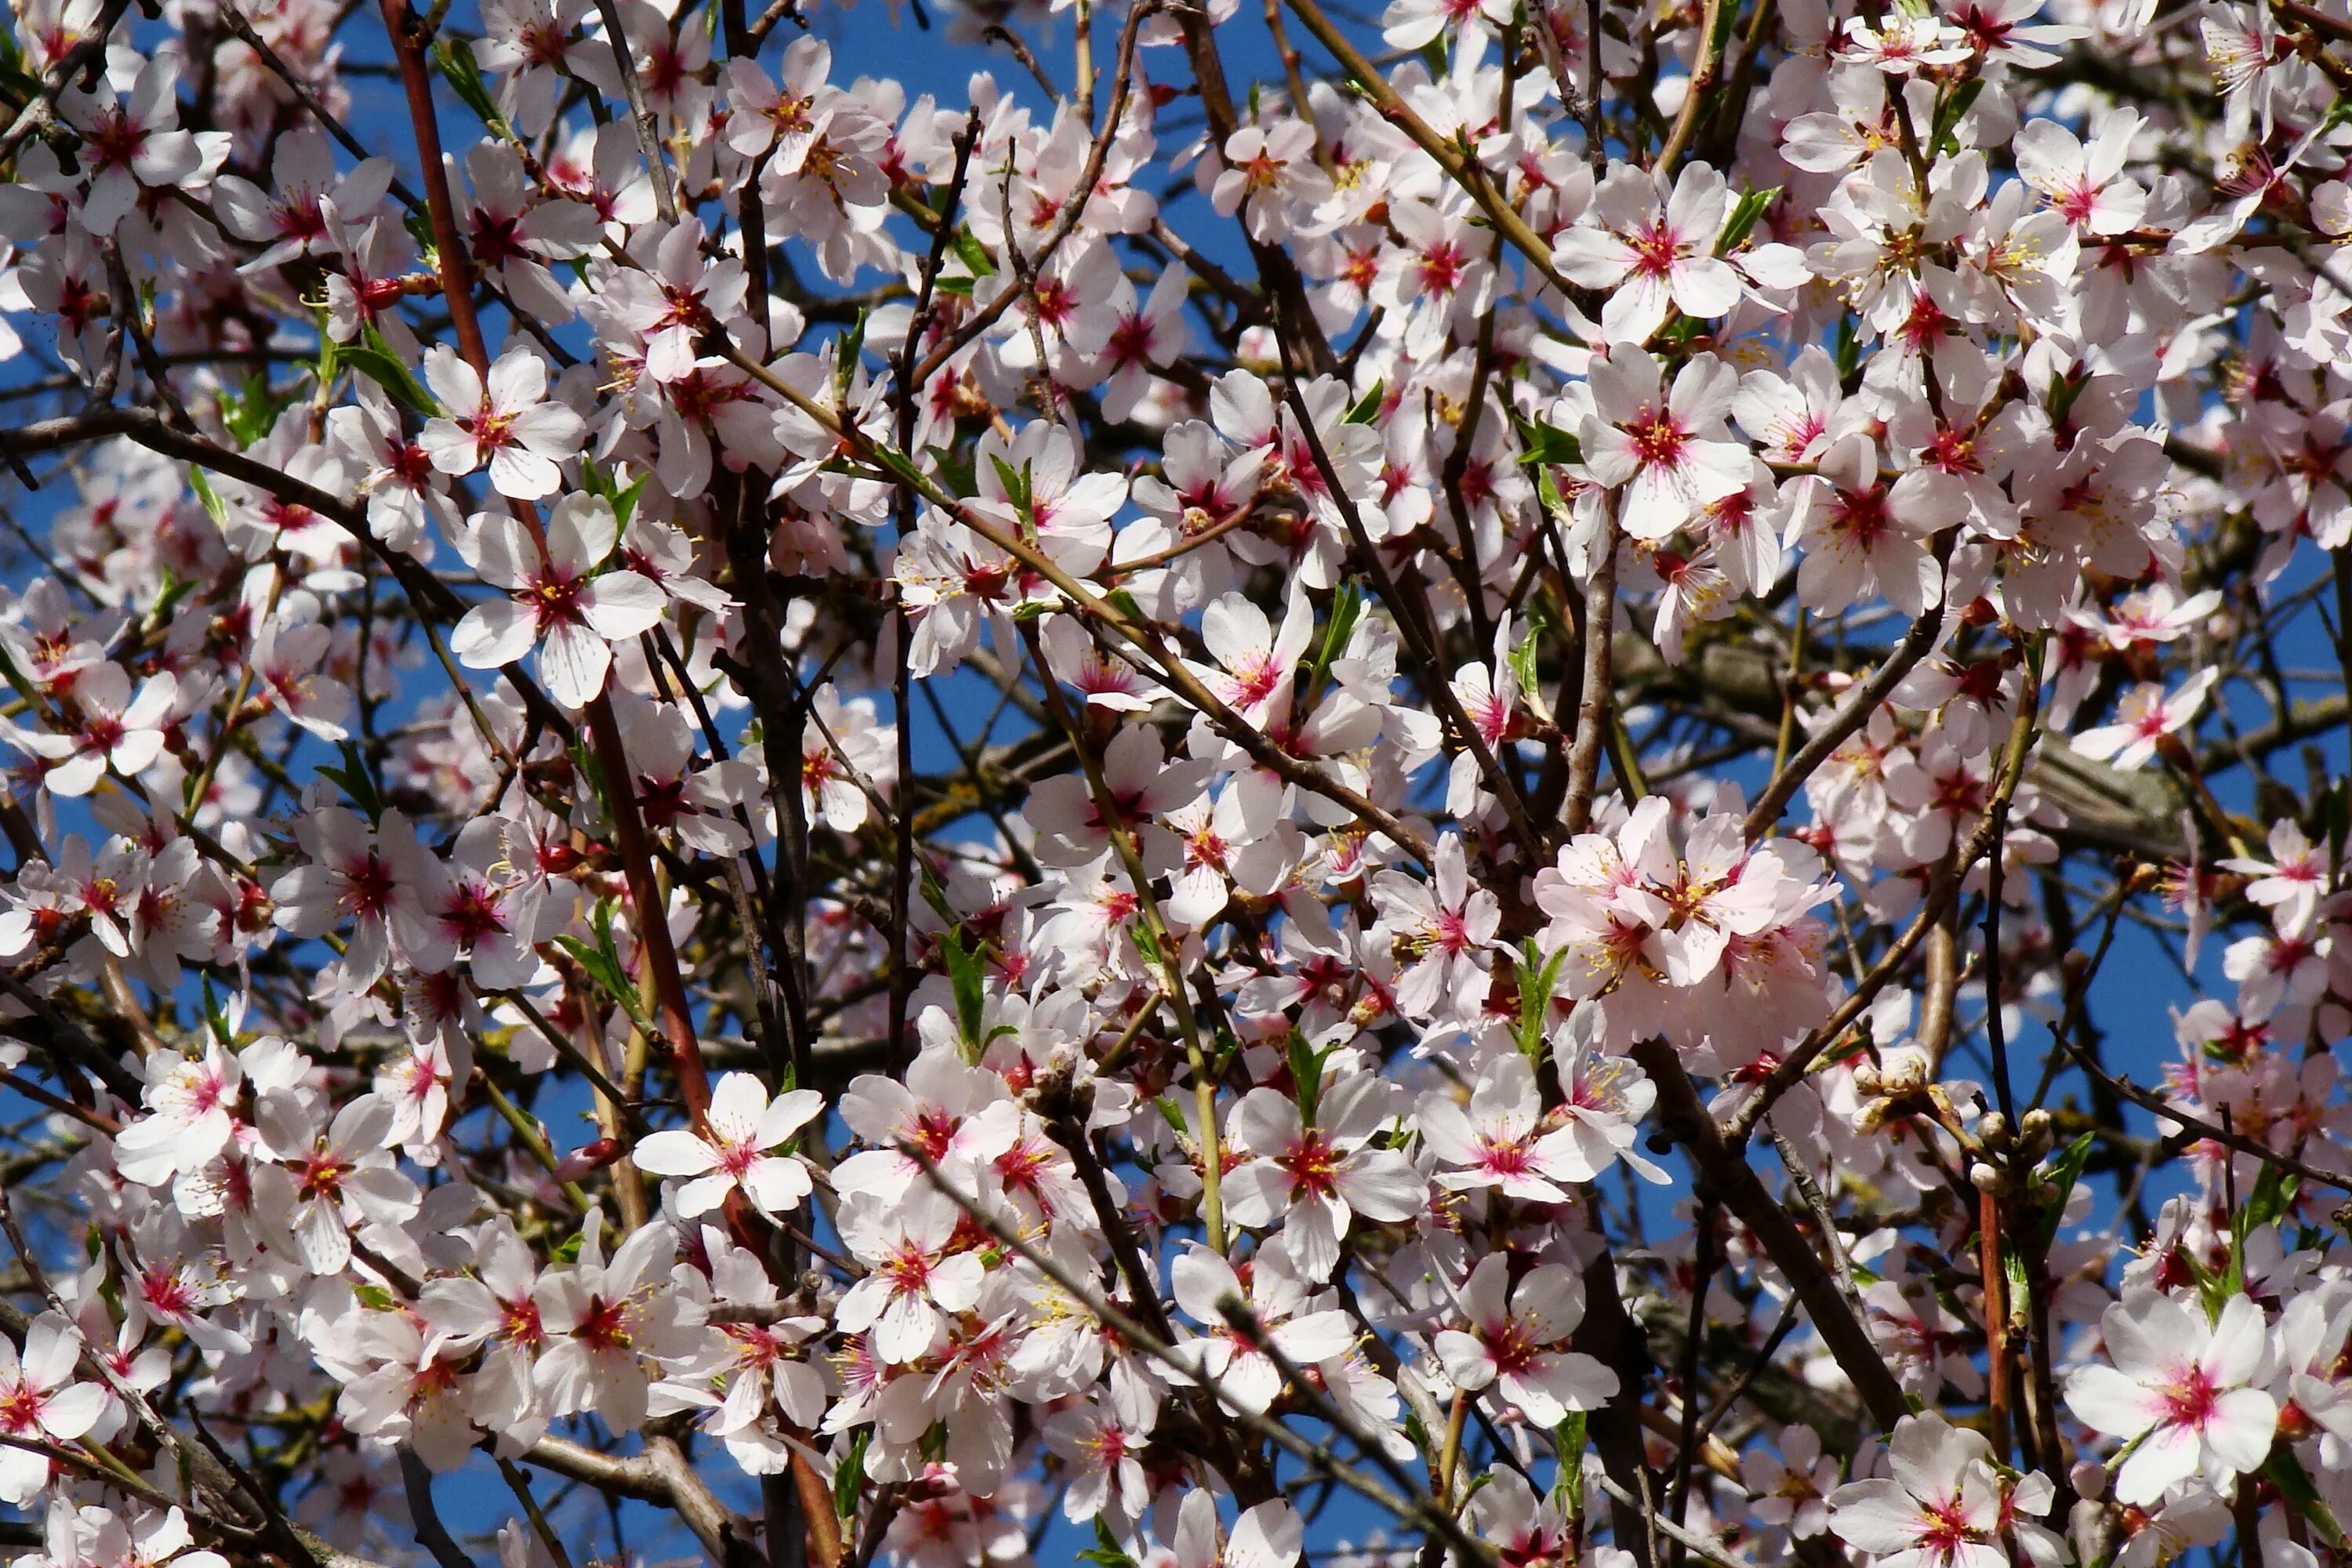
[
  {"x": 2178, "y": 1392},
  {"x": 2143, "y": 718},
  {"x": 1669, "y": 450},
  {"x": 508, "y": 424},
  {"x": 1513, "y": 1339},
  {"x": 1943, "y": 1506},
  {"x": 912, "y": 1285},
  {"x": 560, "y": 602},
  {"x": 40, "y": 1403},
  {"x": 734, "y": 1152},
  {"x": 1652, "y": 248},
  {"x": 1312, "y": 1181}
]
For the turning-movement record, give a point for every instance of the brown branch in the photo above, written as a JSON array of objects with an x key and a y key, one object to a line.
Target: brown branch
[
  {"x": 1850, "y": 716},
  {"x": 1726, "y": 1172}
]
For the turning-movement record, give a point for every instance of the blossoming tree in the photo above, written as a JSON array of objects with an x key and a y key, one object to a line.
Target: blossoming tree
[{"x": 1291, "y": 788}]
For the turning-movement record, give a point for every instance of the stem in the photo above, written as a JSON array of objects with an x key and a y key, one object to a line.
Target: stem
[
  {"x": 1996, "y": 1321},
  {"x": 1593, "y": 702}
]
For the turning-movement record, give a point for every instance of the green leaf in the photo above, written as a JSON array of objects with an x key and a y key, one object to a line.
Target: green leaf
[
  {"x": 11, "y": 68},
  {"x": 1367, "y": 408},
  {"x": 357, "y": 783},
  {"x": 1568, "y": 1442},
  {"x": 2062, "y": 1172},
  {"x": 852, "y": 345},
  {"x": 1523, "y": 657},
  {"x": 1535, "y": 982},
  {"x": 168, "y": 595},
  {"x": 970, "y": 990},
  {"x": 375, "y": 1297},
  {"x": 974, "y": 254},
  {"x": 567, "y": 1250},
  {"x": 625, "y": 498},
  {"x": 374, "y": 358},
  {"x": 16, "y": 678},
  {"x": 2273, "y": 1195},
  {"x": 2339, "y": 817},
  {"x": 955, "y": 473},
  {"x": 2062, "y": 393},
  {"x": 1124, "y": 602},
  {"x": 215, "y": 1018},
  {"x": 1948, "y": 113},
  {"x": 1724, "y": 18},
  {"x": 1547, "y": 443},
  {"x": 593, "y": 964},
  {"x": 1751, "y": 207},
  {"x": 215, "y": 508},
  {"x": 456, "y": 62},
  {"x": 958, "y": 287},
  {"x": 1016, "y": 482},
  {"x": 1548, "y": 492},
  {"x": 1307, "y": 1074},
  {"x": 849, "y": 1476},
  {"x": 602, "y": 962},
  {"x": 2294, "y": 1482},
  {"x": 249, "y": 413},
  {"x": 1106, "y": 1552},
  {"x": 2012, "y": 1267},
  {"x": 899, "y": 467},
  {"x": 1346, "y": 609}
]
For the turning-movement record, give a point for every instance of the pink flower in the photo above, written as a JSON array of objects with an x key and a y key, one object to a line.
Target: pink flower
[
  {"x": 2179, "y": 1393},
  {"x": 2288, "y": 884},
  {"x": 1654, "y": 248},
  {"x": 1944, "y": 1505},
  {"x": 734, "y": 1154},
  {"x": 913, "y": 1285},
  {"x": 509, "y": 424},
  {"x": 1313, "y": 1181},
  {"x": 560, "y": 602},
  {"x": 1511, "y": 1345},
  {"x": 118, "y": 732},
  {"x": 2143, "y": 718},
  {"x": 2084, "y": 183},
  {"x": 131, "y": 146},
  {"x": 40, "y": 1403},
  {"x": 1668, "y": 450},
  {"x": 1494, "y": 1142},
  {"x": 1241, "y": 1373}
]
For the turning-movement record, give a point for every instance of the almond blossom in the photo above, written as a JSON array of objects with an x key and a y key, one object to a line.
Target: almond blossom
[
  {"x": 734, "y": 1154},
  {"x": 1663, "y": 445},
  {"x": 1513, "y": 1339},
  {"x": 559, "y": 603},
  {"x": 1462, "y": 782},
  {"x": 2179, "y": 1388},
  {"x": 504, "y": 420}
]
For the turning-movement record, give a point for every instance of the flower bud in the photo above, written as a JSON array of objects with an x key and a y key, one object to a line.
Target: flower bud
[{"x": 585, "y": 1161}]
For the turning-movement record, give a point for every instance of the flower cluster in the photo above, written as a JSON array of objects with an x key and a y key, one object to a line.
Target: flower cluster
[{"x": 839, "y": 820}]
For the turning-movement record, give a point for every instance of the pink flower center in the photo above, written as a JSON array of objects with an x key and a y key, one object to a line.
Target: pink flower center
[
  {"x": 1655, "y": 249},
  {"x": 1658, "y": 440},
  {"x": 2190, "y": 1399},
  {"x": 1314, "y": 1164}
]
